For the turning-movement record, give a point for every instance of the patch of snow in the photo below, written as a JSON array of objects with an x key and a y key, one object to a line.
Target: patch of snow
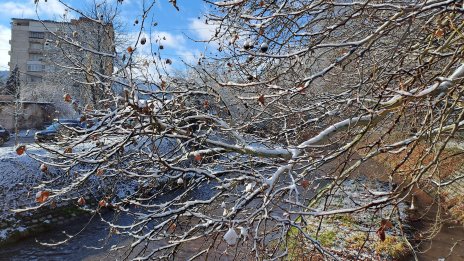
[
  {"x": 21, "y": 229},
  {"x": 4, "y": 233}
]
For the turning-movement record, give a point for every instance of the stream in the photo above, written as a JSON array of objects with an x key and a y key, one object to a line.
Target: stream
[{"x": 95, "y": 241}]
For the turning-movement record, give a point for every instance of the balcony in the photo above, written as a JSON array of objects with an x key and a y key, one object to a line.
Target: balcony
[
  {"x": 36, "y": 40},
  {"x": 36, "y": 35},
  {"x": 31, "y": 78},
  {"x": 35, "y": 66}
]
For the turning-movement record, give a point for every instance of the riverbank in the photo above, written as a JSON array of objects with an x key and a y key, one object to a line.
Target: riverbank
[
  {"x": 436, "y": 234},
  {"x": 436, "y": 225},
  {"x": 31, "y": 224}
]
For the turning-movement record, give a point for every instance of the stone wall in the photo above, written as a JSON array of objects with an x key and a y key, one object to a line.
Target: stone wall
[
  {"x": 28, "y": 224},
  {"x": 32, "y": 115}
]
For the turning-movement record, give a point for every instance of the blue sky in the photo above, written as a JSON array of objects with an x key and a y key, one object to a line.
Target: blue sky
[{"x": 175, "y": 26}]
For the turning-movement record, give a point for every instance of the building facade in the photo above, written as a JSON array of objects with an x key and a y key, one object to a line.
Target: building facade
[
  {"x": 62, "y": 57},
  {"x": 27, "y": 49}
]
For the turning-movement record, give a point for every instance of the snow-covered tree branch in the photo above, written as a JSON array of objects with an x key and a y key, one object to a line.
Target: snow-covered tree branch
[{"x": 268, "y": 134}]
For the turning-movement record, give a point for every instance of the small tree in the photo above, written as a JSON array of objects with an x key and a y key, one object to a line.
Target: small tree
[{"x": 13, "y": 88}]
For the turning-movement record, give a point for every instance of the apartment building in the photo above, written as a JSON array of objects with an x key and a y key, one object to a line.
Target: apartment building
[
  {"x": 27, "y": 50},
  {"x": 43, "y": 49}
]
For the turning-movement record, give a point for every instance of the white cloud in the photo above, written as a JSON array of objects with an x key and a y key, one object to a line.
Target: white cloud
[
  {"x": 19, "y": 9},
  {"x": 190, "y": 57},
  {"x": 175, "y": 46},
  {"x": 14, "y": 9},
  {"x": 203, "y": 31},
  {"x": 5, "y": 36},
  {"x": 51, "y": 8},
  {"x": 175, "y": 41}
]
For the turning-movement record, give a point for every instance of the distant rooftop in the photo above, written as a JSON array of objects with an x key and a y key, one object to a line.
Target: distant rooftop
[
  {"x": 73, "y": 21},
  {"x": 32, "y": 20}
]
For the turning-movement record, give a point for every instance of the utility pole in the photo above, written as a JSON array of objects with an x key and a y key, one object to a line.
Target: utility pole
[{"x": 17, "y": 104}]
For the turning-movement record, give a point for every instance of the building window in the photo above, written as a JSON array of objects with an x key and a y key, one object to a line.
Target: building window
[
  {"x": 35, "y": 67},
  {"x": 36, "y": 46},
  {"x": 35, "y": 57},
  {"x": 39, "y": 35},
  {"x": 32, "y": 78}
]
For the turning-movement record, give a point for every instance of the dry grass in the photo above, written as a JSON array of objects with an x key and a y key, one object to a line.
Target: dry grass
[
  {"x": 394, "y": 247},
  {"x": 448, "y": 162},
  {"x": 406, "y": 164}
]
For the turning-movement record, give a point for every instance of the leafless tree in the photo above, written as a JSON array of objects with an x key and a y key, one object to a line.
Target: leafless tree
[
  {"x": 13, "y": 88},
  {"x": 298, "y": 101}
]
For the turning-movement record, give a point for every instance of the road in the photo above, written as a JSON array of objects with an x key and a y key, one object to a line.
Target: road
[{"x": 25, "y": 137}]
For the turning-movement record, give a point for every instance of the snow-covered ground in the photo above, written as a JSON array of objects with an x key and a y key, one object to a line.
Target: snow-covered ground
[{"x": 18, "y": 175}]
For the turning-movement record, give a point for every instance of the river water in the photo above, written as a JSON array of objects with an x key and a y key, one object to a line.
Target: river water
[{"x": 95, "y": 241}]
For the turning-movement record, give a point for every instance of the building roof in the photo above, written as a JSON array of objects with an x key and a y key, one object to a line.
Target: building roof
[
  {"x": 26, "y": 102},
  {"x": 73, "y": 21},
  {"x": 33, "y": 20}
]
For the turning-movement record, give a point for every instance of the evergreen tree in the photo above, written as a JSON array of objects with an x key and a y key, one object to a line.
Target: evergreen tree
[{"x": 12, "y": 84}]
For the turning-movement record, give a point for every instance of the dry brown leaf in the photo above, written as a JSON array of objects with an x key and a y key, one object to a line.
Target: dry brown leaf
[
  {"x": 305, "y": 183},
  {"x": 20, "y": 149},
  {"x": 43, "y": 167},
  {"x": 81, "y": 201},
  {"x": 102, "y": 203},
  {"x": 439, "y": 33},
  {"x": 100, "y": 172},
  {"x": 67, "y": 97},
  {"x": 261, "y": 99},
  {"x": 42, "y": 196},
  {"x": 381, "y": 233}
]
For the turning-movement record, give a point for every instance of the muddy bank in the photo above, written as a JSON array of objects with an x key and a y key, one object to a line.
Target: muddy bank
[{"x": 447, "y": 236}]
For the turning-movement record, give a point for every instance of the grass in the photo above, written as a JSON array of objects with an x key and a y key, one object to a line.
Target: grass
[
  {"x": 342, "y": 234},
  {"x": 327, "y": 238},
  {"x": 346, "y": 220},
  {"x": 456, "y": 208},
  {"x": 357, "y": 240},
  {"x": 392, "y": 246}
]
